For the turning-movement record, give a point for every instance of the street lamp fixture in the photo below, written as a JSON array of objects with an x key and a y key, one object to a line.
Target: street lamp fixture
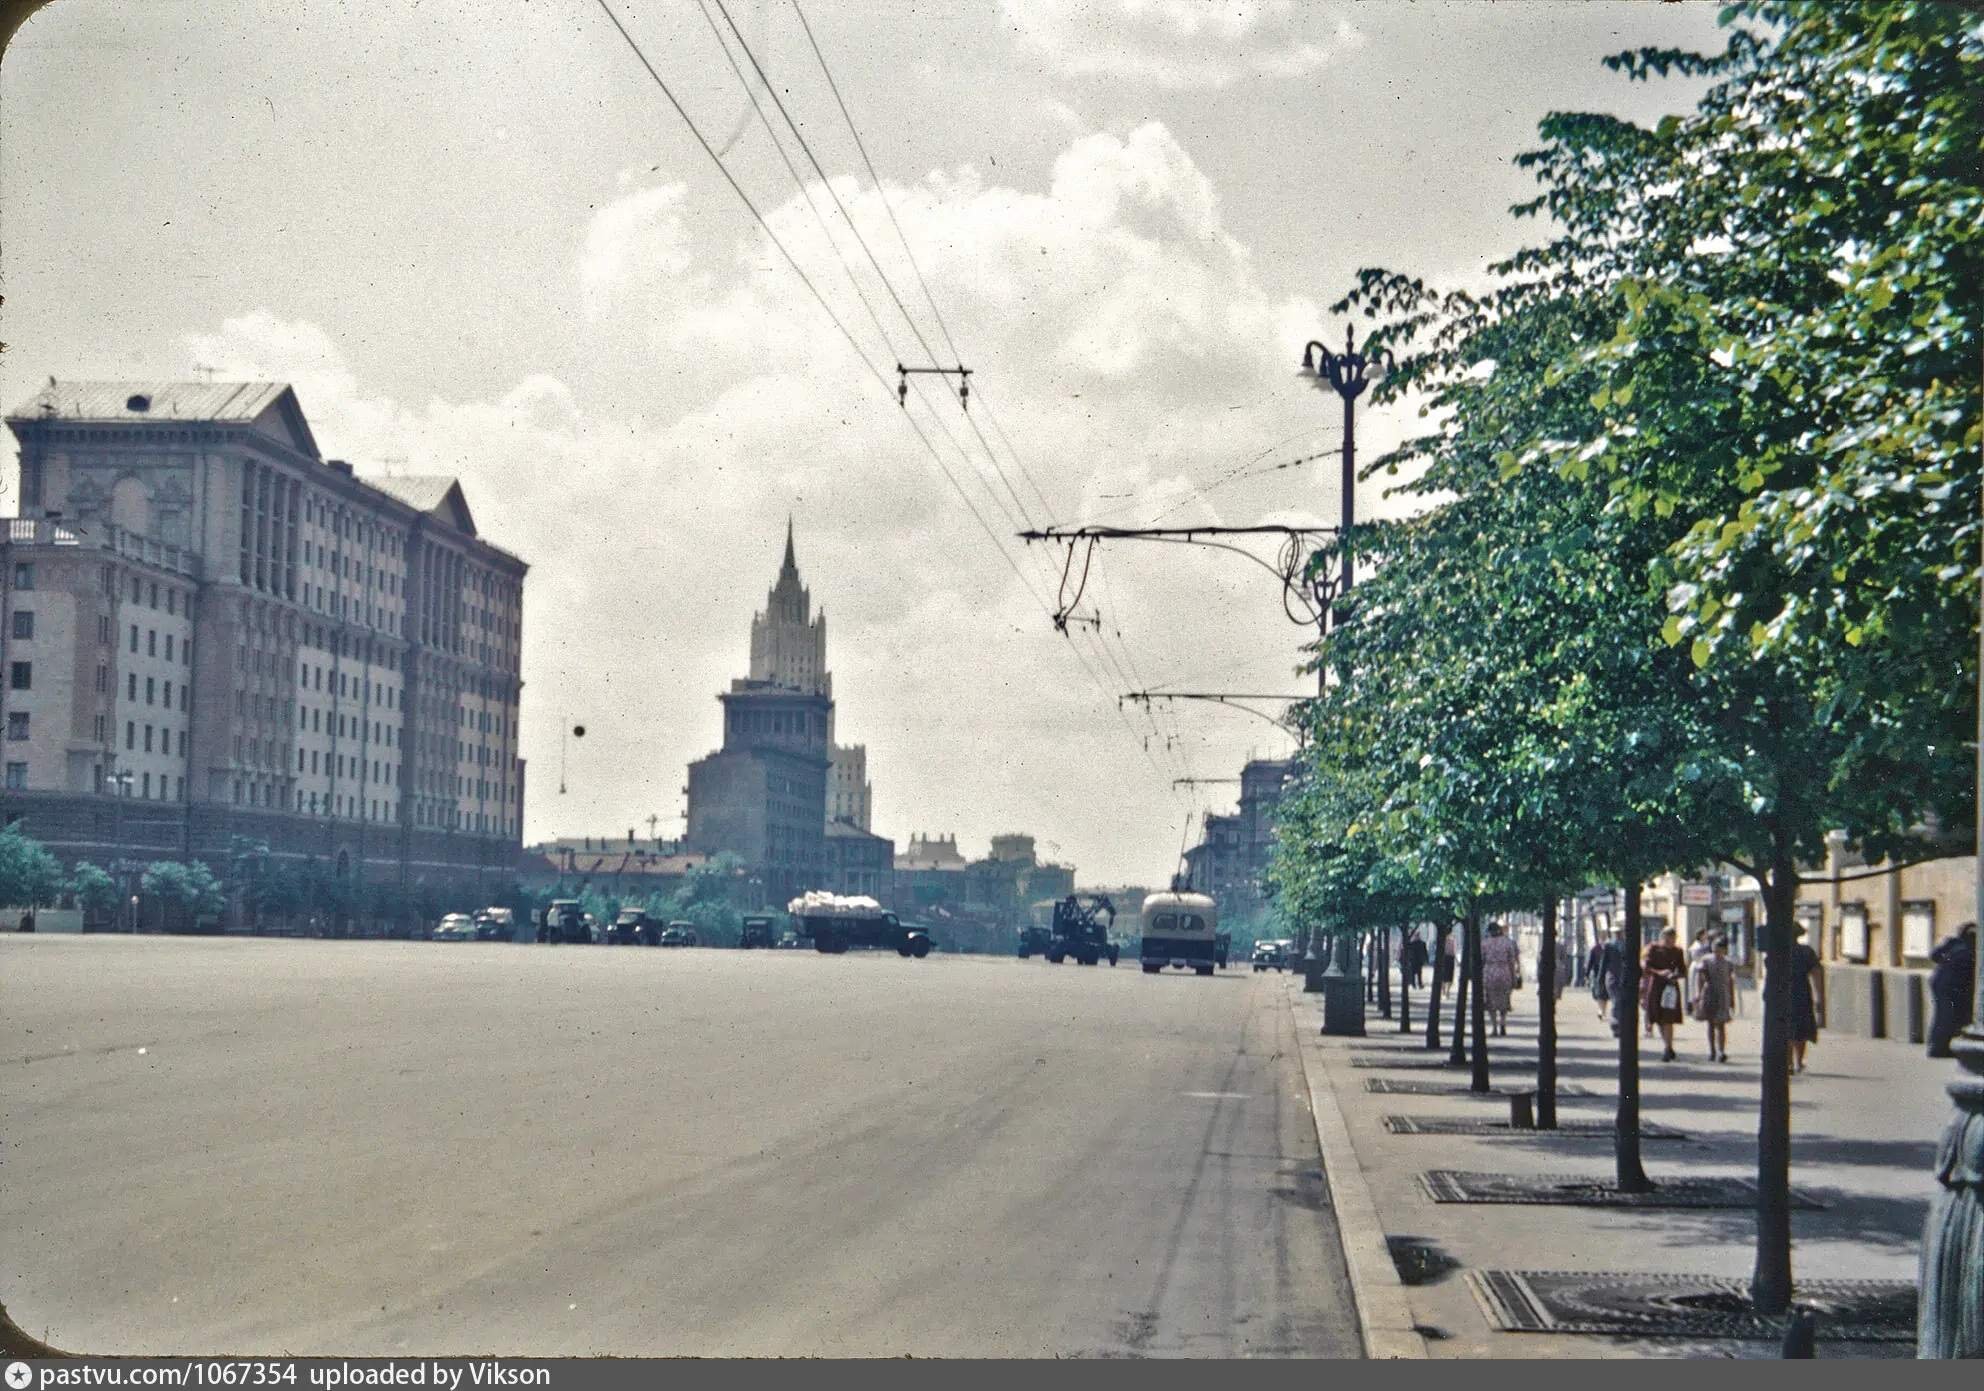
[{"x": 1347, "y": 373}]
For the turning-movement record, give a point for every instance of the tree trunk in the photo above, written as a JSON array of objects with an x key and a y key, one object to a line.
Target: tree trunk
[
  {"x": 1404, "y": 981},
  {"x": 1381, "y": 943},
  {"x": 1433, "y": 990},
  {"x": 1370, "y": 968},
  {"x": 1632, "y": 1174},
  {"x": 1770, "y": 1285},
  {"x": 1458, "y": 1056},
  {"x": 1546, "y": 1021},
  {"x": 1478, "y": 1017}
]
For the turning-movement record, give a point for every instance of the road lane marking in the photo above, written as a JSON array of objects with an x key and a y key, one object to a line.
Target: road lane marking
[{"x": 1217, "y": 1096}]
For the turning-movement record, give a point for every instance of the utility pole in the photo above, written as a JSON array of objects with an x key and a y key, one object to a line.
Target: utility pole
[{"x": 1346, "y": 373}]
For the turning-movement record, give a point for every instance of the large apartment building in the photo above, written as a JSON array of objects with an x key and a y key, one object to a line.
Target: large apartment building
[{"x": 212, "y": 631}]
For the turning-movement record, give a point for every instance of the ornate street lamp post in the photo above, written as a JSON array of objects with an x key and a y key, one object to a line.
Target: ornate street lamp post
[
  {"x": 1951, "y": 1303},
  {"x": 1346, "y": 373}
]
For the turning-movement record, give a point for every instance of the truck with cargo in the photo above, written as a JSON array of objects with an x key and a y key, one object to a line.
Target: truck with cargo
[{"x": 836, "y": 923}]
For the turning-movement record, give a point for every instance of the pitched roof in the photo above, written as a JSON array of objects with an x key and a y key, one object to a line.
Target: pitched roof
[
  {"x": 104, "y": 401},
  {"x": 846, "y": 830},
  {"x": 271, "y": 405},
  {"x": 433, "y": 493}
]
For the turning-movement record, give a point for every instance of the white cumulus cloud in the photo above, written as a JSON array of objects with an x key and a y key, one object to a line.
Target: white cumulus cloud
[{"x": 1113, "y": 323}]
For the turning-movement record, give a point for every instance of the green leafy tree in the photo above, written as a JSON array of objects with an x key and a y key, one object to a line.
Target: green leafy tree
[
  {"x": 96, "y": 892},
  {"x": 280, "y": 893},
  {"x": 1714, "y": 442},
  {"x": 189, "y": 892},
  {"x": 30, "y": 876}
]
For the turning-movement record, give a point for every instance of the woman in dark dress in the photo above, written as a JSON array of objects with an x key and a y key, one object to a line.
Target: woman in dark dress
[
  {"x": 1807, "y": 976},
  {"x": 1660, "y": 988},
  {"x": 1950, "y": 987}
]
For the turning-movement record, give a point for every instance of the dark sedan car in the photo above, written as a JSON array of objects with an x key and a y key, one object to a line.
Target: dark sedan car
[{"x": 633, "y": 928}]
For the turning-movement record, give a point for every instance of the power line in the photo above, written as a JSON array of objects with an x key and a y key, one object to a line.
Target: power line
[
  {"x": 814, "y": 290},
  {"x": 807, "y": 149},
  {"x": 909, "y": 253},
  {"x": 1233, "y": 474},
  {"x": 841, "y": 327},
  {"x": 876, "y": 179},
  {"x": 1000, "y": 431},
  {"x": 806, "y": 193}
]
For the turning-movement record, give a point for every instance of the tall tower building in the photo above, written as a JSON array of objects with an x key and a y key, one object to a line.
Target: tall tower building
[
  {"x": 789, "y": 649},
  {"x": 788, "y": 644},
  {"x": 780, "y": 794}
]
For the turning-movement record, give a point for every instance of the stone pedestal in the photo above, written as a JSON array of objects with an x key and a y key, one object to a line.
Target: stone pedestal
[
  {"x": 1951, "y": 1310},
  {"x": 1343, "y": 1005}
]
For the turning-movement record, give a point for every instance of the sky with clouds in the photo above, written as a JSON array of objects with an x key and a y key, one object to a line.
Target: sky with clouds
[{"x": 479, "y": 241}]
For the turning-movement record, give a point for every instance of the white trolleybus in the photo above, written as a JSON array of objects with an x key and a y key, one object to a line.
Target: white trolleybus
[{"x": 1181, "y": 928}]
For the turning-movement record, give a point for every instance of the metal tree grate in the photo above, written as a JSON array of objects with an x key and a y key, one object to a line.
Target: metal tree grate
[
  {"x": 1685, "y": 1306},
  {"x": 1587, "y": 1190},
  {"x": 1403, "y": 1061},
  {"x": 1414, "y": 1086},
  {"x": 1480, "y": 1125}
]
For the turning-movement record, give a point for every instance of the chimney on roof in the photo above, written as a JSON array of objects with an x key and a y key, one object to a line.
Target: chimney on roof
[{"x": 342, "y": 466}]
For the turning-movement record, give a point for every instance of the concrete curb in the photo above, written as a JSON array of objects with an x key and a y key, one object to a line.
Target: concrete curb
[{"x": 1384, "y": 1312}]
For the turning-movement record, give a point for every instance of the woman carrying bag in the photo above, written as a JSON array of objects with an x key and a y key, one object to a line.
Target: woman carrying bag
[{"x": 1664, "y": 968}]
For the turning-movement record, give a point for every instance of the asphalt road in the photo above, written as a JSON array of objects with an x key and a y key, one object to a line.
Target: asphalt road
[{"x": 391, "y": 1148}]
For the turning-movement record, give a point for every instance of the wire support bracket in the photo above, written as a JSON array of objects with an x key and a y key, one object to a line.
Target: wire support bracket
[{"x": 962, "y": 373}]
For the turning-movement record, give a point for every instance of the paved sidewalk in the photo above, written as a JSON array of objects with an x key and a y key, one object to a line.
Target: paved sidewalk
[{"x": 1865, "y": 1117}]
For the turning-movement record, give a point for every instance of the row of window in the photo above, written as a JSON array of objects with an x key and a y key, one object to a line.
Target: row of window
[
  {"x": 152, "y": 685},
  {"x": 148, "y": 593},
  {"x": 131, "y": 728}
]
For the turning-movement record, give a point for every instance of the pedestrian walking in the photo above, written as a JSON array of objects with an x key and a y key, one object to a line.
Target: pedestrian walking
[
  {"x": 1415, "y": 957},
  {"x": 1501, "y": 975},
  {"x": 1450, "y": 959},
  {"x": 1613, "y": 968},
  {"x": 1698, "y": 951},
  {"x": 1808, "y": 995},
  {"x": 1566, "y": 961},
  {"x": 26, "y": 923},
  {"x": 1714, "y": 997},
  {"x": 1951, "y": 983},
  {"x": 1660, "y": 987},
  {"x": 1594, "y": 974}
]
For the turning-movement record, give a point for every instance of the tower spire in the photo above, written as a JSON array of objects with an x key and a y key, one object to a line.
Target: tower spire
[{"x": 791, "y": 566}]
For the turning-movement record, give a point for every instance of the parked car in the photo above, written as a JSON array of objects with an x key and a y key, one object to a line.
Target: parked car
[
  {"x": 456, "y": 927},
  {"x": 1270, "y": 956},
  {"x": 564, "y": 920},
  {"x": 679, "y": 934},
  {"x": 496, "y": 925},
  {"x": 634, "y": 928},
  {"x": 791, "y": 941}
]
